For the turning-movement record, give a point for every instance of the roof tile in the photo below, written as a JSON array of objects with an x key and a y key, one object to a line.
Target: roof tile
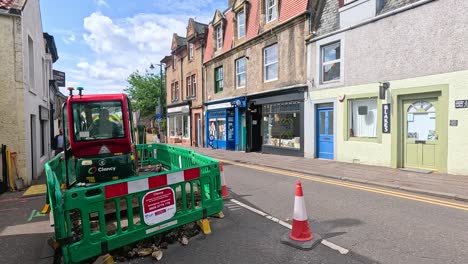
[{"x": 292, "y": 8}]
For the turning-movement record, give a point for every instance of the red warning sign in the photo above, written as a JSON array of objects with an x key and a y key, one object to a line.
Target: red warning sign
[{"x": 159, "y": 206}]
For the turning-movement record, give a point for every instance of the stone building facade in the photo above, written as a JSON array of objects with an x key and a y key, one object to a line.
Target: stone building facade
[
  {"x": 24, "y": 83},
  {"x": 184, "y": 86},
  {"x": 255, "y": 72}
]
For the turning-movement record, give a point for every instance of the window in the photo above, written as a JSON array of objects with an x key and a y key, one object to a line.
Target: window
[
  {"x": 282, "y": 124},
  {"x": 43, "y": 137},
  {"x": 176, "y": 97},
  {"x": 45, "y": 86},
  {"x": 174, "y": 62},
  {"x": 32, "y": 85},
  {"x": 186, "y": 126},
  {"x": 188, "y": 87},
  {"x": 219, "y": 79},
  {"x": 219, "y": 37},
  {"x": 421, "y": 121},
  {"x": 363, "y": 118},
  {"x": 179, "y": 126},
  {"x": 240, "y": 73},
  {"x": 194, "y": 85},
  {"x": 97, "y": 120},
  {"x": 270, "y": 63},
  {"x": 270, "y": 10},
  {"x": 217, "y": 129},
  {"x": 172, "y": 92},
  {"x": 190, "y": 51},
  {"x": 240, "y": 24},
  {"x": 330, "y": 62}
]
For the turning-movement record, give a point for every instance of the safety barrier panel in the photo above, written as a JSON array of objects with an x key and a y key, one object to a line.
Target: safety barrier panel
[{"x": 92, "y": 220}]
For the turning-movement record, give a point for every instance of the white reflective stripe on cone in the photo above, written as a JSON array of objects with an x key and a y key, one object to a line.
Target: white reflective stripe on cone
[{"x": 300, "y": 213}]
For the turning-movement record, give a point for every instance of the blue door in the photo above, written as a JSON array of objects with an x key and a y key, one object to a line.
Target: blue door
[{"x": 324, "y": 133}]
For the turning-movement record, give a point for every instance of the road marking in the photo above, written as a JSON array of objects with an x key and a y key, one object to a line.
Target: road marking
[
  {"x": 355, "y": 186},
  {"x": 327, "y": 243},
  {"x": 29, "y": 228}
]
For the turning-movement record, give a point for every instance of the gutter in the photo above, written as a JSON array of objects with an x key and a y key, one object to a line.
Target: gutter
[{"x": 311, "y": 38}]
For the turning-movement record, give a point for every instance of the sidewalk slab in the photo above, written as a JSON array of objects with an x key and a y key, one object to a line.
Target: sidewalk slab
[{"x": 435, "y": 184}]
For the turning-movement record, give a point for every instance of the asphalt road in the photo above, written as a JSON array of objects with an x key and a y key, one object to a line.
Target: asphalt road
[
  {"x": 373, "y": 226},
  {"x": 245, "y": 237},
  {"x": 383, "y": 228}
]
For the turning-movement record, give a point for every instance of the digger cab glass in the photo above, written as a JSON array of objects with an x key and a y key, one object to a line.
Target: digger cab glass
[{"x": 97, "y": 120}]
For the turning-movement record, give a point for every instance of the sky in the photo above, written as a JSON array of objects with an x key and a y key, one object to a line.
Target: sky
[{"x": 101, "y": 42}]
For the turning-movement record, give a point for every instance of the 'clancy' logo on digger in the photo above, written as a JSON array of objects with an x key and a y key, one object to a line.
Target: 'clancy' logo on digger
[{"x": 92, "y": 170}]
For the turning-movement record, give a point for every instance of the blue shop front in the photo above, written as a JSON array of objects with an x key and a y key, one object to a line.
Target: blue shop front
[{"x": 225, "y": 124}]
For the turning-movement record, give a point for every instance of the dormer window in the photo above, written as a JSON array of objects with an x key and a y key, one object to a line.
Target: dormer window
[
  {"x": 190, "y": 51},
  {"x": 270, "y": 10},
  {"x": 240, "y": 24},
  {"x": 219, "y": 37}
]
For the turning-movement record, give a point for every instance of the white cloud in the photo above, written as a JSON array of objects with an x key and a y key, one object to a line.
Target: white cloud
[
  {"x": 101, "y": 3},
  {"x": 69, "y": 39},
  {"x": 123, "y": 46}
]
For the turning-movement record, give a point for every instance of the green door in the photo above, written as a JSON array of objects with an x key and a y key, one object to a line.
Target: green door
[{"x": 421, "y": 143}]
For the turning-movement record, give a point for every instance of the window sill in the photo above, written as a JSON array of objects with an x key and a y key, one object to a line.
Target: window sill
[
  {"x": 241, "y": 87},
  {"x": 269, "y": 81},
  {"x": 365, "y": 139}
]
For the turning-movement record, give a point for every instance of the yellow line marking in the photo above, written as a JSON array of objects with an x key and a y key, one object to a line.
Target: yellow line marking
[
  {"x": 354, "y": 186},
  {"x": 35, "y": 190}
]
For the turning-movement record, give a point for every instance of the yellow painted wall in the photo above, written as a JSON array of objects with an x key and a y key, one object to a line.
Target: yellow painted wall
[{"x": 380, "y": 153}]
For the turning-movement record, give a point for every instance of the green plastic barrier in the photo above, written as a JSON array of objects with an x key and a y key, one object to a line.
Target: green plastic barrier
[{"x": 92, "y": 220}]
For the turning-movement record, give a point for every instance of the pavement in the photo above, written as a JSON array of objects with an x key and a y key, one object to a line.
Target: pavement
[{"x": 435, "y": 184}]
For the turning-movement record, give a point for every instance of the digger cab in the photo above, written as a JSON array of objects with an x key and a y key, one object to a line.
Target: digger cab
[{"x": 98, "y": 136}]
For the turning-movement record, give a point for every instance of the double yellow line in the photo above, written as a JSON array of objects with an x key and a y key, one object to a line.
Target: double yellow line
[{"x": 403, "y": 195}]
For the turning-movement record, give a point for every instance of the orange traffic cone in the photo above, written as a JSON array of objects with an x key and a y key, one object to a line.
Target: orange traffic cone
[
  {"x": 224, "y": 190},
  {"x": 301, "y": 236}
]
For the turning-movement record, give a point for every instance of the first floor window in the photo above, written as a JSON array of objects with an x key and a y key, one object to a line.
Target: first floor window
[
  {"x": 176, "y": 94},
  {"x": 219, "y": 79},
  {"x": 240, "y": 73},
  {"x": 194, "y": 85},
  {"x": 188, "y": 87},
  {"x": 172, "y": 91},
  {"x": 330, "y": 62},
  {"x": 363, "y": 118},
  {"x": 270, "y": 63},
  {"x": 282, "y": 124}
]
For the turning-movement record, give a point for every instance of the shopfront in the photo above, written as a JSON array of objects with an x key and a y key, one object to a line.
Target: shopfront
[
  {"x": 178, "y": 124},
  {"x": 225, "y": 124},
  {"x": 275, "y": 123}
]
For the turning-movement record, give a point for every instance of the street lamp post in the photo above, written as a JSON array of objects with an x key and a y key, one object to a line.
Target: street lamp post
[{"x": 159, "y": 109}]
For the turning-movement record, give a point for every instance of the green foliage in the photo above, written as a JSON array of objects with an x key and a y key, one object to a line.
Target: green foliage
[{"x": 144, "y": 90}]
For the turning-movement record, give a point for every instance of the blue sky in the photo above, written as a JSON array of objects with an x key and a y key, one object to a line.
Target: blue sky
[{"x": 100, "y": 42}]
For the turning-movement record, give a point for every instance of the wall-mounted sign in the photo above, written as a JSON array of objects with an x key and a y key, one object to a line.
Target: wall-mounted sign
[
  {"x": 59, "y": 78},
  {"x": 386, "y": 124},
  {"x": 461, "y": 103},
  {"x": 453, "y": 122}
]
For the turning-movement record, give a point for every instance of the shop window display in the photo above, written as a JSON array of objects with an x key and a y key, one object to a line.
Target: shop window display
[{"x": 281, "y": 125}]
